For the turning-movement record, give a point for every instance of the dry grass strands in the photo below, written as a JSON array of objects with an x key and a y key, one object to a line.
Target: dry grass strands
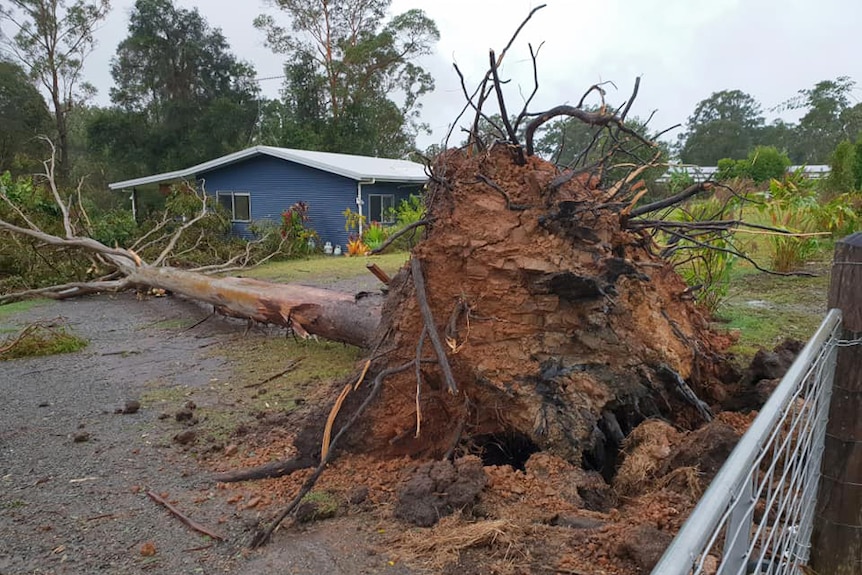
[
  {"x": 443, "y": 544},
  {"x": 684, "y": 480},
  {"x": 645, "y": 450}
]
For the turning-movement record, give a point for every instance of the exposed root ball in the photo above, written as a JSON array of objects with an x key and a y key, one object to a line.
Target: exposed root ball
[{"x": 557, "y": 321}]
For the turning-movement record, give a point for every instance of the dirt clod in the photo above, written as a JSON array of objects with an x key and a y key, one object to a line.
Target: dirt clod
[
  {"x": 576, "y": 522},
  {"x": 185, "y": 437},
  {"x": 81, "y": 436},
  {"x": 774, "y": 364},
  {"x": 184, "y": 415},
  {"x": 148, "y": 549},
  {"x": 131, "y": 406},
  {"x": 438, "y": 488},
  {"x": 357, "y": 495},
  {"x": 644, "y": 545}
]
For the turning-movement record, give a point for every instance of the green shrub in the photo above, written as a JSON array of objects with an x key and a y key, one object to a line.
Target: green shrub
[
  {"x": 679, "y": 180},
  {"x": 374, "y": 235},
  {"x": 700, "y": 265},
  {"x": 857, "y": 164},
  {"x": 842, "y": 215},
  {"x": 842, "y": 173},
  {"x": 792, "y": 206},
  {"x": 114, "y": 228},
  {"x": 728, "y": 169},
  {"x": 408, "y": 212},
  {"x": 765, "y": 163},
  {"x": 762, "y": 164}
]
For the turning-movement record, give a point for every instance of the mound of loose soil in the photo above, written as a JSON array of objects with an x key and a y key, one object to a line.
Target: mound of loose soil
[{"x": 438, "y": 488}]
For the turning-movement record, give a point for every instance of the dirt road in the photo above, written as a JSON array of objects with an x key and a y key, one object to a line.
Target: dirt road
[{"x": 74, "y": 474}]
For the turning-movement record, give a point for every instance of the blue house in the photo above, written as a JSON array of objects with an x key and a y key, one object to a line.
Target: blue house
[{"x": 259, "y": 183}]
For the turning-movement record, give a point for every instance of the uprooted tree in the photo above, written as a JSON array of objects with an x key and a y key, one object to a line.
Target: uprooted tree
[{"x": 538, "y": 308}]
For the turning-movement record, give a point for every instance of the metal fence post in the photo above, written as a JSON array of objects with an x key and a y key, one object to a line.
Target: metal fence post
[
  {"x": 837, "y": 536},
  {"x": 738, "y": 534}
]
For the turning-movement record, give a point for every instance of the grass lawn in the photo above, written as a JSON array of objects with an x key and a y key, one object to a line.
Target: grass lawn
[
  {"x": 766, "y": 309},
  {"x": 10, "y": 310},
  {"x": 326, "y": 269}
]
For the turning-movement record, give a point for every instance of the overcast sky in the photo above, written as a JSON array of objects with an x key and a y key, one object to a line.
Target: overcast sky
[{"x": 683, "y": 49}]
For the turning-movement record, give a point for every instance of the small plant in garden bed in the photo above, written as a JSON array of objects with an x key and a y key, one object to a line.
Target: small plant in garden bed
[
  {"x": 299, "y": 238},
  {"x": 356, "y": 247},
  {"x": 374, "y": 235}
]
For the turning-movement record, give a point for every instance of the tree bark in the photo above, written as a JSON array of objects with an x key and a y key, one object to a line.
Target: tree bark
[{"x": 325, "y": 313}]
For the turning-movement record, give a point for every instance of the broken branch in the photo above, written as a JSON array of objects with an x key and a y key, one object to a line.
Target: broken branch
[
  {"x": 428, "y": 317},
  {"x": 192, "y": 524},
  {"x": 406, "y": 229}
]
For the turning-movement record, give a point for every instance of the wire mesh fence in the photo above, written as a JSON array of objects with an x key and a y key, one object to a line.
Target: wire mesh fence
[{"x": 756, "y": 517}]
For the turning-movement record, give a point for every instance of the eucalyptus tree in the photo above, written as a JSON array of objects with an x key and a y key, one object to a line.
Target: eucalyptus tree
[
  {"x": 24, "y": 117},
  {"x": 725, "y": 125},
  {"x": 52, "y": 39},
  {"x": 354, "y": 68},
  {"x": 177, "y": 81}
]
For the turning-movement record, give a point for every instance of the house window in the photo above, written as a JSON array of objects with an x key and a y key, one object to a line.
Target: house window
[
  {"x": 237, "y": 204},
  {"x": 381, "y": 208}
]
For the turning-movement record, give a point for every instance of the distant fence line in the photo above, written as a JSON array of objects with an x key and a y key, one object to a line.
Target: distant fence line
[{"x": 703, "y": 173}]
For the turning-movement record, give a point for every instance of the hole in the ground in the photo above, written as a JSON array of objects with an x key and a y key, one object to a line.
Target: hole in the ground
[
  {"x": 506, "y": 448},
  {"x": 611, "y": 429}
]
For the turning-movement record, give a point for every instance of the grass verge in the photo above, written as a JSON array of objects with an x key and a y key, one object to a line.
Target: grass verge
[
  {"x": 766, "y": 309},
  {"x": 325, "y": 269}
]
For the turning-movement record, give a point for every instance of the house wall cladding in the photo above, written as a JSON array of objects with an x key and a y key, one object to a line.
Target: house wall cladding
[{"x": 274, "y": 185}]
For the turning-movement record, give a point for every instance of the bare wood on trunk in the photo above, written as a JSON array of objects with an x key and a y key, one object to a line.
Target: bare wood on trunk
[{"x": 837, "y": 536}]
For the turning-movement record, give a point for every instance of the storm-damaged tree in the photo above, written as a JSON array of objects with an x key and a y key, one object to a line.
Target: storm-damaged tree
[
  {"x": 539, "y": 310},
  {"x": 52, "y": 39},
  {"x": 352, "y": 72}
]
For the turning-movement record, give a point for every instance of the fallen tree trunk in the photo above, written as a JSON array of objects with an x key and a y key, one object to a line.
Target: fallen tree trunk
[
  {"x": 329, "y": 314},
  {"x": 306, "y": 310}
]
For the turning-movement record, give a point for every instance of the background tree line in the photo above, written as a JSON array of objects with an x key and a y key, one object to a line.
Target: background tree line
[
  {"x": 351, "y": 84},
  {"x": 181, "y": 96}
]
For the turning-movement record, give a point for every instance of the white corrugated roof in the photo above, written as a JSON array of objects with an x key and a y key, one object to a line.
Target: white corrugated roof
[{"x": 347, "y": 165}]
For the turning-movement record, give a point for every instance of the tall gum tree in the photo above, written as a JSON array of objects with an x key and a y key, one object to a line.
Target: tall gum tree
[
  {"x": 725, "y": 125},
  {"x": 176, "y": 81},
  {"x": 24, "y": 116},
  {"x": 52, "y": 39},
  {"x": 366, "y": 64}
]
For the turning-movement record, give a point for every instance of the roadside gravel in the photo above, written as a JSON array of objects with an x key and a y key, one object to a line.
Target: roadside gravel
[{"x": 70, "y": 506}]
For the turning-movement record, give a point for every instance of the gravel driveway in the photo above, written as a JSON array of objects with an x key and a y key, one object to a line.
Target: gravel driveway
[{"x": 81, "y": 506}]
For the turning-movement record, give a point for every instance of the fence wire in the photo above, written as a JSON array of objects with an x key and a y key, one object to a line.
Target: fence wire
[{"x": 757, "y": 515}]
